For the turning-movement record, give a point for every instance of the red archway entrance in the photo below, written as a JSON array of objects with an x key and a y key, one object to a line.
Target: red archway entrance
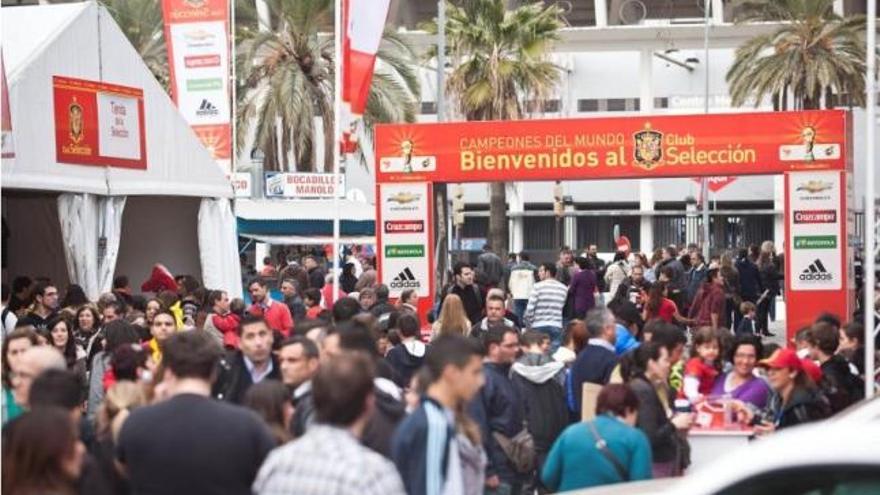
[{"x": 810, "y": 148}]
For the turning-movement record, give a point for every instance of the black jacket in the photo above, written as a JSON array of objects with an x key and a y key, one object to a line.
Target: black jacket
[
  {"x": 471, "y": 299},
  {"x": 234, "y": 380},
  {"x": 303, "y": 410},
  {"x": 316, "y": 277},
  {"x": 840, "y": 385},
  {"x": 770, "y": 278},
  {"x": 666, "y": 444},
  {"x": 806, "y": 405},
  {"x": 498, "y": 408},
  {"x": 405, "y": 359},
  {"x": 387, "y": 414},
  {"x": 594, "y": 364},
  {"x": 541, "y": 384},
  {"x": 749, "y": 279}
]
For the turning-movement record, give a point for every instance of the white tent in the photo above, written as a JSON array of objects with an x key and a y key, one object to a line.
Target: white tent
[{"x": 109, "y": 220}]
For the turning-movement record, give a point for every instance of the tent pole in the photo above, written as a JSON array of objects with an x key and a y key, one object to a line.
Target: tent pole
[
  {"x": 337, "y": 129},
  {"x": 870, "y": 201}
]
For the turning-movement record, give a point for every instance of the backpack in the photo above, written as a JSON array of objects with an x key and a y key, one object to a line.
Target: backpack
[{"x": 520, "y": 450}]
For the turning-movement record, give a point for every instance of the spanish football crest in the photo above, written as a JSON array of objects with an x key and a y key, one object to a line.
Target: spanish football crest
[
  {"x": 75, "y": 121},
  {"x": 649, "y": 147}
]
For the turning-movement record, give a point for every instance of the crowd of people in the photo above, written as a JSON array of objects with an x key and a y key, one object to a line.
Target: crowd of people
[{"x": 521, "y": 379}]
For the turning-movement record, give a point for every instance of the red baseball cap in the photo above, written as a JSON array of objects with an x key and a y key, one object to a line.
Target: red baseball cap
[
  {"x": 812, "y": 369},
  {"x": 782, "y": 358}
]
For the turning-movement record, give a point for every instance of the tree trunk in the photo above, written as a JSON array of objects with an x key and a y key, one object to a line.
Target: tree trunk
[
  {"x": 498, "y": 218},
  {"x": 441, "y": 242}
]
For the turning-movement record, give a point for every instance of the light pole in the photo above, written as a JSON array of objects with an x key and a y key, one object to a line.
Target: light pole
[
  {"x": 704, "y": 182},
  {"x": 870, "y": 204}
]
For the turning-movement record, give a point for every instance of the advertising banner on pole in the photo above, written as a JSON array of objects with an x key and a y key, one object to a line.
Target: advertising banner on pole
[
  {"x": 814, "y": 233},
  {"x": 98, "y": 123},
  {"x": 196, "y": 32},
  {"x": 404, "y": 246}
]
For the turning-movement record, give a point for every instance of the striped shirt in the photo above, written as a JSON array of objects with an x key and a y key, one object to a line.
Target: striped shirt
[{"x": 545, "y": 304}]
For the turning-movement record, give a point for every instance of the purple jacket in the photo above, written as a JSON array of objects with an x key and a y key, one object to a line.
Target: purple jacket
[
  {"x": 754, "y": 391},
  {"x": 583, "y": 286}
]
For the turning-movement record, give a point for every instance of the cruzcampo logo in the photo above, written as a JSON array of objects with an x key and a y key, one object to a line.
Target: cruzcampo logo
[
  {"x": 405, "y": 251},
  {"x": 815, "y": 242}
]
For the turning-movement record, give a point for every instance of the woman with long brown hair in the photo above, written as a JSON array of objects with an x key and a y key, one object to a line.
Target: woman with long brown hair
[
  {"x": 42, "y": 454},
  {"x": 453, "y": 319}
]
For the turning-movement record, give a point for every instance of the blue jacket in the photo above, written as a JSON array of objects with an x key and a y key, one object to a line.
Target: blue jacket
[
  {"x": 575, "y": 462},
  {"x": 749, "y": 279},
  {"x": 420, "y": 448},
  {"x": 594, "y": 364},
  {"x": 625, "y": 340},
  {"x": 498, "y": 408}
]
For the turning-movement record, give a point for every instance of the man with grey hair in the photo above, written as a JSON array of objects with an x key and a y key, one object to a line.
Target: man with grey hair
[
  {"x": 33, "y": 362},
  {"x": 595, "y": 363}
]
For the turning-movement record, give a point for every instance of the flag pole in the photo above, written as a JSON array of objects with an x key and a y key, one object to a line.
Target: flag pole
[
  {"x": 870, "y": 198},
  {"x": 337, "y": 134}
]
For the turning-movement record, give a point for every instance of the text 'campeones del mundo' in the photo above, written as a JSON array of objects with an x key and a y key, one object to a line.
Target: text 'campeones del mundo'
[{"x": 594, "y": 150}]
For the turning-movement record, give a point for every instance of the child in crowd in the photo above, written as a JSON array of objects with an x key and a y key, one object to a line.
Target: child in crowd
[
  {"x": 312, "y": 301},
  {"x": 702, "y": 369},
  {"x": 747, "y": 325}
]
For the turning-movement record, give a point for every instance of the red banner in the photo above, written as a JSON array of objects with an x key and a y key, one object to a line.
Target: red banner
[
  {"x": 608, "y": 148},
  {"x": 197, "y": 36},
  {"x": 716, "y": 183},
  {"x": 99, "y": 124}
]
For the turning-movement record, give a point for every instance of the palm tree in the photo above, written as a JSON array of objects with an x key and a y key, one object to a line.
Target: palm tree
[
  {"x": 500, "y": 62},
  {"x": 141, "y": 21},
  {"x": 287, "y": 75},
  {"x": 815, "y": 54}
]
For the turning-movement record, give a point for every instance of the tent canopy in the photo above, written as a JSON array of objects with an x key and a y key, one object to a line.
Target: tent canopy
[
  {"x": 302, "y": 218},
  {"x": 83, "y": 41}
]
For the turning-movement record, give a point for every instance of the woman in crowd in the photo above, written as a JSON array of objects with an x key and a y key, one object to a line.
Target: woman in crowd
[
  {"x": 61, "y": 338},
  {"x": 453, "y": 319},
  {"x": 574, "y": 339},
  {"x": 770, "y": 278},
  {"x": 122, "y": 398},
  {"x": 740, "y": 382},
  {"x": 583, "y": 288},
  {"x": 154, "y": 305},
  {"x": 795, "y": 399},
  {"x": 852, "y": 345},
  {"x": 732, "y": 287},
  {"x": 575, "y": 462},
  {"x": 660, "y": 306},
  {"x": 347, "y": 280},
  {"x": 87, "y": 331},
  {"x": 42, "y": 454},
  {"x": 14, "y": 345},
  {"x": 270, "y": 399},
  {"x": 116, "y": 333},
  {"x": 647, "y": 372}
]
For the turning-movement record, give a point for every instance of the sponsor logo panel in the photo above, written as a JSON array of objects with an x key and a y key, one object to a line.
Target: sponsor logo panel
[
  {"x": 815, "y": 242},
  {"x": 815, "y": 272},
  {"x": 405, "y": 280},
  {"x": 197, "y": 61},
  {"x": 815, "y": 216},
  {"x": 404, "y": 226},
  {"x": 204, "y": 84},
  {"x": 405, "y": 251}
]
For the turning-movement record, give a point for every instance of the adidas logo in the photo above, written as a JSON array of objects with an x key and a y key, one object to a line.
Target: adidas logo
[
  {"x": 405, "y": 280},
  {"x": 816, "y": 272},
  {"x": 207, "y": 108}
]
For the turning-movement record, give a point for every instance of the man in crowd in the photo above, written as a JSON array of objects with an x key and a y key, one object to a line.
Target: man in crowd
[
  {"x": 290, "y": 290},
  {"x": 709, "y": 306},
  {"x": 565, "y": 268},
  {"x": 191, "y": 443},
  {"x": 677, "y": 282},
  {"x": 424, "y": 447},
  {"x": 592, "y": 254},
  {"x": 494, "y": 318},
  {"x": 21, "y": 294},
  {"x": 317, "y": 275},
  {"x": 30, "y": 365},
  {"x": 252, "y": 363},
  {"x": 637, "y": 284},
  {"x": 381, "y": 306},
  {"x": 45, "y": 306},
  {"x": 329, "y": 458},
  {"x": 541, "y": 384},
  {"x": 749, "y": 282},
  {"x": 544, "y": 311},
  {"x": 299, "y": 360},
  {"x": 490, "y": 266},
  {"x": 276, "y": 314},
  {"x": 596, "y": 362},
  {"x": 695, "y": 276},
  {"x": 409, "y": 301},
  {"x": 841, "y": 386},
  {"x": 113, "y": 311},
  {"x": 407, "y": 357},
  {"x": 367, "y": 298},
  {"x": 498, "y": 408},
  {"x": 521, "y": 282},
  {"x": 467, "y": 291},
  {"x": 122, "y": 289}
]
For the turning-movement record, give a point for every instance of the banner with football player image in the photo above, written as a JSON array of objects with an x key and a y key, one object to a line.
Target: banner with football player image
[{"x": 196, "y": 32}]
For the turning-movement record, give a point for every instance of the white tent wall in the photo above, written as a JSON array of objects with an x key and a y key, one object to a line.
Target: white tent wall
[
  {"x": 158, "y": 229},
  {"x": 34, "y": 246},
  {"x": 218, "y": 247}
]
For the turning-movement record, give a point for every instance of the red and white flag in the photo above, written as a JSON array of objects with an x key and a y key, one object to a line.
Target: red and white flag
[{"x": 361, "y": 38}]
